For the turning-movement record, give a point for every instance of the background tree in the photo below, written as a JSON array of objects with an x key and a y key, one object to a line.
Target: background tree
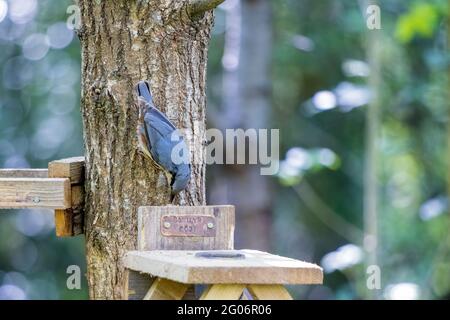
[{"x": 246, "y": 103}]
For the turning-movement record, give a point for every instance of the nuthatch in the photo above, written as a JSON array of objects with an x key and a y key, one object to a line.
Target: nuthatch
[{"x": 158, "y": 138}]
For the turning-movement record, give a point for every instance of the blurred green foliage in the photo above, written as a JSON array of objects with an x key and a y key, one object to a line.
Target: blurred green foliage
[
  {"x": 39, "y": 121},
  {"x": 421, "y": 20}
]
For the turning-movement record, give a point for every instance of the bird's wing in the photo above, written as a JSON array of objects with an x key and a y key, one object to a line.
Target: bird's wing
[
  {"x": 155, "y": 127},
  {"x": 144, "y": 93},
  {"x": 160, "y": 143}
]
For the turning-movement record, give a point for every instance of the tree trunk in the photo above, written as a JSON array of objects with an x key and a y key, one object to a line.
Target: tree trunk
[
  {"x": 123, "y": 42},
  {"x": 246, "y": 104}
]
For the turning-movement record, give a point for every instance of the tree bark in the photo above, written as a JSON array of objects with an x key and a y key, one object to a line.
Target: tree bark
[{"x": 123, "y": 42}]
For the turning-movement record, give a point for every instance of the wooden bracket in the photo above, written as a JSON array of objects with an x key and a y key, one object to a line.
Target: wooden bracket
[
  {"x": 70, "y": 221},
  {"x": 60, "y": 187}
]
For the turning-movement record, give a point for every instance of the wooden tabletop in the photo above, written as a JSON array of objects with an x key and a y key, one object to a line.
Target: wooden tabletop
[{"x": 247, "y": 267}]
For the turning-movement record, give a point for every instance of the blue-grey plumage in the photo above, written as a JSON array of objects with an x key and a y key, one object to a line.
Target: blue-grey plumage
[{"x": 160, "y": 140}]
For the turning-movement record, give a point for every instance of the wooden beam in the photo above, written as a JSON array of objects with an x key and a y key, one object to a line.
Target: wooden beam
[
  {"x": 35, "y": 193},
  {"x": 69, "y": 222},
  {"x": 269, "y": 292},
  {"x": 163, "y": 289},
  {"x": 223, "y": 292},
  {"x": 23, "y": 173},
  {"x": 72, "y": 168}
]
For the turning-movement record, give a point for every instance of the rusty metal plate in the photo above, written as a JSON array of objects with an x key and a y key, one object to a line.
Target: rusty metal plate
[{"x": 188, "y": 225}]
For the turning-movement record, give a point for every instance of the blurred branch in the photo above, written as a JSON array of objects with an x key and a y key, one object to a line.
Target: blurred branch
[
  {"x": 200, "y": 6},
  {"x": 327, "y": 215}
]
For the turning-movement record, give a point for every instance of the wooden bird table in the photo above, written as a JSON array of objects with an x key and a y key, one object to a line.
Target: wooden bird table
[
  {"x": 227, "y": 273},
  {"x": 180, "y": 248}
]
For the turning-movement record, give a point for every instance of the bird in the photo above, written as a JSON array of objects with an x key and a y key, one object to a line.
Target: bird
[{"x": 161, "y": 142}]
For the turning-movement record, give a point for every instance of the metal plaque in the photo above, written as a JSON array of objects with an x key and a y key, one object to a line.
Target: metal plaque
[{"x": 188, "y": 225}]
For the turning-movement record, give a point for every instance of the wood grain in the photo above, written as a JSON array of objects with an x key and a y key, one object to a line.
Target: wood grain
[
  {"x": 256, "y": 268},
  {"x": 70, "y": 222},
  {"x": 35, "y": 193},
  {"x": 163, "y": 289},
  {"x": 23, "y": 173},
  {"x": 269, "y": 292},
  {"x": 151, "y": 238},
  {"x": 223, "y": 292}
]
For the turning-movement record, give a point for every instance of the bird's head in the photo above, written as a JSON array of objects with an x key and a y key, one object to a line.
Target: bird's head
[
  {"x": 144, "y": 92},
  {"x": 180, "y": 180}
]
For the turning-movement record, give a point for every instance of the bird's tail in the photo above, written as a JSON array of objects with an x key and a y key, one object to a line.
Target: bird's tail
[{"x": 143, "y": 90}]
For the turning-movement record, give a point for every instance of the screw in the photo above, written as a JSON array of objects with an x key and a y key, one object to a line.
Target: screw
[
  {"x": 36, "y": 200},
  {"x": 210, "y": 225},
  {"x": 166, "y": 225}
]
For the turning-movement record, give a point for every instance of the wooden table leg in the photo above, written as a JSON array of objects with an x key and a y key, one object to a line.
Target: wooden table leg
[
  {"x": 223, "y": 292},
  {"x": 269, "y": 292},
  {"x": 190, "y": 293},
  {"x": 163, "y": 289}
]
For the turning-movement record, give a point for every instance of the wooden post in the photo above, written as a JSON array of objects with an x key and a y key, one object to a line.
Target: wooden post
[
  {"x": 269, "y": 292},
  {"x": 23, "y": 173},
  {"x": 163, "y": 289},
  {"x": 69, "y": 221}
]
